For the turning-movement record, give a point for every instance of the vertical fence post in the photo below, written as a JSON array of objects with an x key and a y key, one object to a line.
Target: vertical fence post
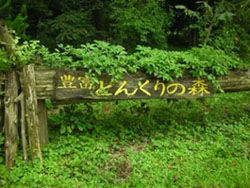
[
  {"x": 20, "y": 99},
  {"x": 11, "y": 118},
  {"x": 1, "y": 114},
  {"x": 43, "y": 125},
  {"x": 31, "y": 109},
  {"x": 2, "y": 78}
]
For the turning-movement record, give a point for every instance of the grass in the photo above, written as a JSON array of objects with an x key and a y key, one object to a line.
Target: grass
[{"x": 156, "y": 143}]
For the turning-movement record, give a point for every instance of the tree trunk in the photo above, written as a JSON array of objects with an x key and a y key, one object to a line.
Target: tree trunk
[
  {"x": 43, "y": 125},
  {"x": 208, "y": 33},
  {"x": 11, "y": 119},
  {"x": 31, "y": 110},
  {"x": 6, "y": 39}
]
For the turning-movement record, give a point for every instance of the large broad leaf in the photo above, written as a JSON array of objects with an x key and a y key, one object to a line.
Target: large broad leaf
[
  {"x": 206, "y": 6},
  {"x": 225, "y": 16},
  {"x": 180, "y": 7},
  {"x": 187, "y": 11}
]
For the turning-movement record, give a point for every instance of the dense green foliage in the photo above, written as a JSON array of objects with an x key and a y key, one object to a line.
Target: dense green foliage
[
  {"x": 151, "y": 144},
  {"x": 4, "y": 61},
  {"x": 102, "y": 58},
  {"x": 140, "y": 22},
  {"x": 155, "y": 23}
]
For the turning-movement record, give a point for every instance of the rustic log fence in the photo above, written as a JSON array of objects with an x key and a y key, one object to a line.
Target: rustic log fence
[{"x": 25, "y": 93}]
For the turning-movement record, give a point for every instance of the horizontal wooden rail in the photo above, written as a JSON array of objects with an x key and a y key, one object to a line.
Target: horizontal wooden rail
[
  {"x": 69, "y": 86},
  {"x": 238, "y": 80},
  {"x": 49, "y": 84}
]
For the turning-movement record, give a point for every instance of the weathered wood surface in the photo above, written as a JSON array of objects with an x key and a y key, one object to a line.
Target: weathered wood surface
[
  {"x": 11, "y": 92},
  {"x": 23, "y": 127},
  {"x": 45, "y": 83},
  {"x": 2, "y": 79},
  {"x": 68, "y": 85},
  {"x": 43, "y": 125},
  {"x": 75, "y": 85},
  {"x": 11, "y": 119},
  {"x": 238, "y": 80},
  {"x": 31, "y": 110},
  {"x": 20, "y": 99}
]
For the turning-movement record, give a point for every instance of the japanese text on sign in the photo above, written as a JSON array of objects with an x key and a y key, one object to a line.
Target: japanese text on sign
[{"x": 196, "y": 88}]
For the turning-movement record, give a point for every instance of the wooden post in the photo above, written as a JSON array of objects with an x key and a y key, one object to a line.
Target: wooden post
[
  {"x": 11, "y": 119},
  {"x": 43, "y": 125},
  {"x": 31, "y": 110},
  {"x": 2, "y": 77},
  {"x": 1, "y": 113},
  {"x": 20, "y": 99}
]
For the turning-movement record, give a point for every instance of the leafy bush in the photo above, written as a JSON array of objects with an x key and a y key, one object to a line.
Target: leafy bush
[
  {"x": 139, "y": 22},
  {"x": 226, "y": 40},
  {"x": 73, "y": 117},
  {"x": 69, "y": 27},
  {"x": 102, "y": 58},
  {"x": 243, "y": 44},
  {"x": 4, "y": 62},
  {"x": 24, "y": 54},
  {"x": 199, "y": 62},
  {"x": 232, "y": 39}
]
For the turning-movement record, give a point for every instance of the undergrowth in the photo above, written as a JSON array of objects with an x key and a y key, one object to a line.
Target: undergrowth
[{"x": 155, "y": 143}]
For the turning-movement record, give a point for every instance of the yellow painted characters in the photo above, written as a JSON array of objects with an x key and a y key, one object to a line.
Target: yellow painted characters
[
  {"x": 199, "y": 87},
  {"x": 147, "y": 87},
  {"x": 67, "y": 81}
]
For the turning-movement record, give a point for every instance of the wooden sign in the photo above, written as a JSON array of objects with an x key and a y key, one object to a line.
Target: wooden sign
[
  {"x": 76, "y": 85},
  {"x": 68, "y": 85}
]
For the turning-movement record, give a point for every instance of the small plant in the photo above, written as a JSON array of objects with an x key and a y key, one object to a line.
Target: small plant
[
  {"x": 73, "y": 117},
  {"x": 4, "y": 62}
]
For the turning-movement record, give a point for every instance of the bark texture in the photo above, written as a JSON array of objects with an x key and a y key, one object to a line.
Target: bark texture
[
  {"x": 20, "y": 99},
  {"x": 31, "y": 111},
  {"x": 2, "y": 77},
  {"x": 11, "y": 119},
  {"x": 43, "y": 125}
]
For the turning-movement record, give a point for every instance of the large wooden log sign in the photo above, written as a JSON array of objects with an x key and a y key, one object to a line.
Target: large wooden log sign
[{"x": 68, "y": 86}]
